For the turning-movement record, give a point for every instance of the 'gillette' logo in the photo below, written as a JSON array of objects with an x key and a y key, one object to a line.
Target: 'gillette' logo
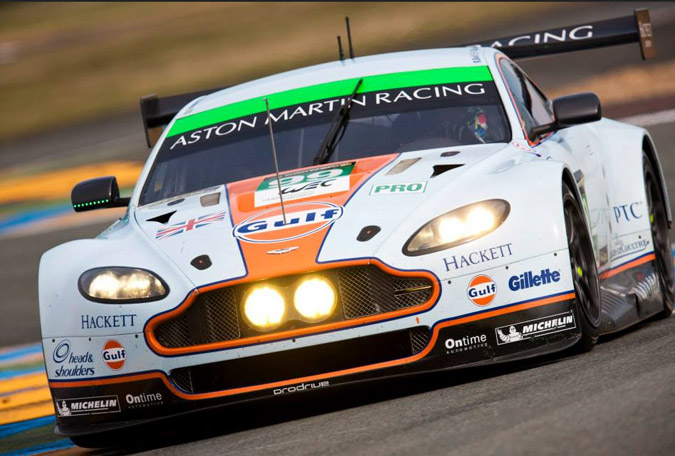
[
  {"x": 529, "y": 279},
  {"x": 302, "y": 219}
]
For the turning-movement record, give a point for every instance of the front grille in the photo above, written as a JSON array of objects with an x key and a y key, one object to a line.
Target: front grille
[
  {"x": 301, "y": 362},
  {"x": 211, "y": 318},
  {"x": 362, "y": 291},
  {"x": 419, "y": 338},
  {"x": 369, "y": 291}
]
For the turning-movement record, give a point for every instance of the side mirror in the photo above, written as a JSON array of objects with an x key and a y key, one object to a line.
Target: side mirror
[
  {"x": 98, "y": 193},
  {"x": 571, "y": 110},
  {"x": 577, "y": 109}
]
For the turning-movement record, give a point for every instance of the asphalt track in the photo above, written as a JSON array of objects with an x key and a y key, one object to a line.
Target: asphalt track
[{"x": 618, "y": 399}]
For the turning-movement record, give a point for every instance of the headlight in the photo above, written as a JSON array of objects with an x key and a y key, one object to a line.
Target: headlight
[
  {"x": 120, "y": 284},
  {"x": 314, "y": 299},
  {"x": 264, "y": 308},
  {"x": 457, "y": 227}
]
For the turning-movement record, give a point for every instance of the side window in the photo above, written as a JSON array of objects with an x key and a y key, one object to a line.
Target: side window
[
  {"x": 533, "y": 108},
  {"x": 541, "y": 109}
]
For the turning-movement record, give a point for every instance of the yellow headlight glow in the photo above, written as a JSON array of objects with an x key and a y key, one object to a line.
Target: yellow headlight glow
[
  {"x": 450, "y": 229},
  {"x": 315, "y": 299},
  {"x": 479, "y": 220},
  {"x": 264, "y": 308},
  {"x": 121, "y": 284},
  {"x": 461, "y": 225}
]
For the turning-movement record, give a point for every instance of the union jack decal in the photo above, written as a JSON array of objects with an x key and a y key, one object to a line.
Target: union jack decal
[{"x": 190, "y": 225}]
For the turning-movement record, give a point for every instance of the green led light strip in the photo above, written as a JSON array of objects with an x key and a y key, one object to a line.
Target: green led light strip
[
  {"x": 91, "y": 203},
  {"x": 331, "y": 90}
]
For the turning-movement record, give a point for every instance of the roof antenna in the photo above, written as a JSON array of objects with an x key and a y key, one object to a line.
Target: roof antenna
[
  {"x": 340, "y": 51},
  {"x": 276, "y": 163},
  {"x": 349, "y": 38}
]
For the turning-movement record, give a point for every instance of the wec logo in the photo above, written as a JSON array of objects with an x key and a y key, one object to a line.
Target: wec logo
[
  {"x": 482, "y": 290},
  {"x": 302, "y": 219}
]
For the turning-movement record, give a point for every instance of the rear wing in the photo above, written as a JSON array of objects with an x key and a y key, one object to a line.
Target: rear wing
[
  {"x": 610, "y": 32},
  {"x": 158, "y": 112}
]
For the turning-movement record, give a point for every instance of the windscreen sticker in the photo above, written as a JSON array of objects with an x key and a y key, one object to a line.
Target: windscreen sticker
[
  {"x": 335, "y": 89},
  {"x": 372, "y": 103},
  {"x": 304, "y": 184}
]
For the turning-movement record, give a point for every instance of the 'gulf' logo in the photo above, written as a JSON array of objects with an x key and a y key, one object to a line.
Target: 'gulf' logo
[
  {"x": 302, "y": 219},
  {"x": 114, "y": 354},
  {"x": 482, "y": 290}
]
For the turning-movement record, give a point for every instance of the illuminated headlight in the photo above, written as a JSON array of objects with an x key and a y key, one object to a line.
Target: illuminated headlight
[
  {"x": 264, "y": 308},
  {"x": 120, "y": 284},
  {"x": 457, "y": 227},
  {"x": 314, "y": 299}
]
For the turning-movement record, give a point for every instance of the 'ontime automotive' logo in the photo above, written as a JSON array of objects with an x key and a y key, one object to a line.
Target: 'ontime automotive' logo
[{"x": 302, "y": 219}]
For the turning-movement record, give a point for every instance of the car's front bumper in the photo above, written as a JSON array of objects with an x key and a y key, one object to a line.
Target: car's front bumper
[{"x": 89, "y": 407}]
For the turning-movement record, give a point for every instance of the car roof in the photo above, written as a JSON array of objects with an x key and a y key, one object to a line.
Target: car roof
[{"x": 341, "y": 70}]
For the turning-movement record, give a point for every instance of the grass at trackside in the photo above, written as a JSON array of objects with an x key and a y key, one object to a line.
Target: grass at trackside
[{"x": 62, "y": 63}]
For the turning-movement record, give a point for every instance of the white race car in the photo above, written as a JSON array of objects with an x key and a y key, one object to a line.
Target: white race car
[{"x": 385, "y": 215}]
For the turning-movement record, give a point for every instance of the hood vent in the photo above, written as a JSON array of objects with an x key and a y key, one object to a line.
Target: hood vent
[
  {"x": 450, "y": 153},
  {"x": 440, "y": 169},
  {"x": 163, "y": 219},
  {"x": 402, "y": 166},
  {"x": 210, "y": 200}
]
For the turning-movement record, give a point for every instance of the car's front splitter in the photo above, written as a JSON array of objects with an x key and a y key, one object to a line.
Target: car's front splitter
[{"x": 98, "y": 406}]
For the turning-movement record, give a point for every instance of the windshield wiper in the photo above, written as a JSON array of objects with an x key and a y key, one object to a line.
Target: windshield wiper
[{"x": 337, "y": 129}]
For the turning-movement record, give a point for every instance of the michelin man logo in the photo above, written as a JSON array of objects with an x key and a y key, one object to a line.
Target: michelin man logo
[
  {"x": 62, "y": 410},
  {"x": 512, "y": 336}
]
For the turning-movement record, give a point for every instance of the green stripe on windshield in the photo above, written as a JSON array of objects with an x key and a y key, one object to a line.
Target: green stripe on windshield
[{"x": 330, "y": 90}]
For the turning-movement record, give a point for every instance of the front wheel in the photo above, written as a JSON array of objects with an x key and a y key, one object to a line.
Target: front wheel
[
  {"x": 658, "y": 222},
  {"x": 584, "y": 271}
]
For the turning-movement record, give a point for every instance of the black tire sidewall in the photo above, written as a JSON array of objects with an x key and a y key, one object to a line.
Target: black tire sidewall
[{"x": 589, "y": 331}]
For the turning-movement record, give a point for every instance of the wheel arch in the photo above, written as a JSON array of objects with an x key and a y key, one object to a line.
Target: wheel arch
[
  {"x": 568, "y": 178},
  {"x": 650, "y": 150}
]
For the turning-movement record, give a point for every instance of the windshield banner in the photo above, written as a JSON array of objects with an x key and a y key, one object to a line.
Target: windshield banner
[{"x": 436, "y": 96}]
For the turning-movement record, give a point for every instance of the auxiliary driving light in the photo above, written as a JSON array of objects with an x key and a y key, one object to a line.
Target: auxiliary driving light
[
  {"x": 314, "y": 299},
  {"x": 264, "y": 308}
]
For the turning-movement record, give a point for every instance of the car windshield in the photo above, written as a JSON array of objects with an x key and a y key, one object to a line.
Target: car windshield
[{"x": 380, "y": 122}]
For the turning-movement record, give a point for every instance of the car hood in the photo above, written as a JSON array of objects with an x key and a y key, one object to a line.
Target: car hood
[{"x": 334, "y": 214}]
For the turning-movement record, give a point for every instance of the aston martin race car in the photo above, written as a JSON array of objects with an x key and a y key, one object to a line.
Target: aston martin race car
[{"x": 365, "y": 218}]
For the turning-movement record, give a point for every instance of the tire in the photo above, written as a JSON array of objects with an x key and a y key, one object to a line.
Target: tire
[
  {"x": 658, "y": 221},
  {"x": 584, "y": 271}
]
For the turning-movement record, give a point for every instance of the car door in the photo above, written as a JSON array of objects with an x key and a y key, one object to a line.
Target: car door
[{"x": 577, "y": 146}]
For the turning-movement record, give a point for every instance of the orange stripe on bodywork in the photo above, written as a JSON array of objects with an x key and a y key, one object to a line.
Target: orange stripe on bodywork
[
  {"x": 629, "y": 265},
  {"x": 262, "y": 265},
  {"x": 154, "y": 344},
  {"x": 355, "y": 370}
]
